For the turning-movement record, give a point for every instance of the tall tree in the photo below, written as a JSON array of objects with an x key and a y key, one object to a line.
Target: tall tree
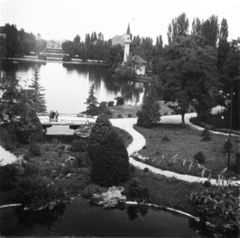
[
  {"x": 223, "y": 45},
  {"x": 210, "y": 30},
  {"x": 91, "y": 100},
  {"x": 35, "y": 93},
  {"x": 188, "y": 74},
  {"x": 76, "y": 39},
  {"x": 149, "y": 114},
  {"x": 178, "y": 27}
]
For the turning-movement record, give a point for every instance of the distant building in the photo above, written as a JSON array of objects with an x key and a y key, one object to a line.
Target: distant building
[
  {"x": 139, "y": 65},
  {"x": 3, "y": 35}
]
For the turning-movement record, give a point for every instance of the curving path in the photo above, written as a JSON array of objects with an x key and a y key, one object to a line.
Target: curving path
[{"x": 137, "y": 144}]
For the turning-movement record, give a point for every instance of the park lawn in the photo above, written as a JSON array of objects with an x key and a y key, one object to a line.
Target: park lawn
[{"x": 185, "y": 142}]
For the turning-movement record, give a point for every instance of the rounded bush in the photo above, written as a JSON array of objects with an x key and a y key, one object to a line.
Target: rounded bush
[
  {"x": 79, "y": 145},
  {"x": 146, "y": 170},
  {"x": 110, "y": 163},
  {"x": 120, "y": 116},
  {"x": 129, "y": 115},
  {"x": 199, "y": 157},
  {"x": 110, "y": 103},
  {"x": 103, "y": 104}
]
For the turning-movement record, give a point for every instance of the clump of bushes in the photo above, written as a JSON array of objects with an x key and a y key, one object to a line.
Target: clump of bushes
[
  {"x": 119, "y": 115},
  {"x": 92, "y": 189},
  {"x": 129, "y": 115},
  {"x": 100, "y": 131},
  {"x": 103, "y": 104},
  {"x": 199, "y": 157},
  {"x": 82, "y": 160},
  {"x": 34, "y": 150},
  {"x": 137, "y": 191},
  {"x": 8, "y": 177},
  {"x": 79, "y": 145},
  {"x": 110, "y": 163}
]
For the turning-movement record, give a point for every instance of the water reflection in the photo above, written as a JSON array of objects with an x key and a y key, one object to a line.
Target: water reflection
[
  {"x": 30, "y": 220},
  {"x": 133, "y": 211}
]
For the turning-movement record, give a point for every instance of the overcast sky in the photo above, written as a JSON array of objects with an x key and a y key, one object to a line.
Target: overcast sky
[{"x": 64, "y": 19}]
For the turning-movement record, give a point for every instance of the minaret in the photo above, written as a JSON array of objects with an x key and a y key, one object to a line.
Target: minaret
[{"x": 127, "y": 44}]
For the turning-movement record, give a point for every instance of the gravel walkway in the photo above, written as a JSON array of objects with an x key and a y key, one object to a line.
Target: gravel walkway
[{"x": 137, "y": 144}]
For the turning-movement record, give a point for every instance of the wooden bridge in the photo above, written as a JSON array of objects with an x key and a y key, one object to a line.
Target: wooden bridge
[{"x": 72, "y": 123}]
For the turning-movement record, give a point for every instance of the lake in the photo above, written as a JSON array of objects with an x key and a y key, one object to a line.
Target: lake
[
  {"x": 83, "y": 219},
  {"x": 67, "y": 86}
]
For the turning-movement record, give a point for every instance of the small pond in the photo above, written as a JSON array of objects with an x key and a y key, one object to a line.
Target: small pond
[{"x": 83, "y": 219}]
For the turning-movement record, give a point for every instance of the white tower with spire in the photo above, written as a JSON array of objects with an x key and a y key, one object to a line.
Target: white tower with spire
[{"x": 127, "y": 44}]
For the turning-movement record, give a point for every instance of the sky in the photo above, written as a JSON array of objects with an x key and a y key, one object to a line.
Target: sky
[{"x": 64, "y": 19}]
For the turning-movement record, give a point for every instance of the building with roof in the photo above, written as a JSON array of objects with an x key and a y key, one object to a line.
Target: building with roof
[
  {"x": 124, "y": 40},
  {"x": 139, "y": 65}
]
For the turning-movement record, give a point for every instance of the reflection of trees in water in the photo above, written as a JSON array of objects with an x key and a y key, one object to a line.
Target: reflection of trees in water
[
  {"x": 133, "y": 211},
  {"x": 9, "y": 66},
  {"x": 30, "y": 220},
  {"x": 99, "y": 74}
]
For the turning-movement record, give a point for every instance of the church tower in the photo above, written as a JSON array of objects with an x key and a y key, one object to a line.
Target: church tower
[{"x": 127, "y": 44}]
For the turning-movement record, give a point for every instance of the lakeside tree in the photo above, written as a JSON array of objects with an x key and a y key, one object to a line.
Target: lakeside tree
[
  {"x": 149, "y": 114},
  {"x": 188, "y": 74},
  {"x": 91, "y": 100},
  {"x": 17, "y": 112},
  {"x": 35, "y": 93}
]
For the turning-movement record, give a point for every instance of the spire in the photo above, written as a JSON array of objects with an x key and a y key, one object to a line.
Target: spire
[{"x": 128, "y": 29}]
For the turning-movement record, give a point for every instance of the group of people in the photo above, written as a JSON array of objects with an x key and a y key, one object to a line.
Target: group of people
[{"x": 53, "y": 116}]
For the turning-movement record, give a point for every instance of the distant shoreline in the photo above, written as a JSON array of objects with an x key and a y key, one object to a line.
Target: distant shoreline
[{"x": 74, "y": 61}]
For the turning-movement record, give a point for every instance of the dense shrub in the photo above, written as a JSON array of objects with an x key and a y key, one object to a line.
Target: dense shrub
[
  {"x": 79, "y": 145},
  {"x": 120, "y": 100},
  {"x": 82, "y": 160},
  {"x": 99, "y": 132},
  {"x": 110, "y": 163},
  {"x": 199, "y": 157},
  {"x": 227, "y": 146},
  {"x": 110, "y": 103},
  {"x": 95, "y": 111},
  {"x": 206, "y": 136},
  {"x": 103, "y": 104},
  {"x": 137, "y": 191},
  {"x": 125, "y": 72},
  {"x": 30, "y": 170},
  {"x": 92, "y": 189},
  {"x": 66, "y": 58},
  {"x": 8, "y": 177},
  {"x": 120, "y": 116},
  {"x": 149, "y": 114},
  {"x": 34, "y": 150},
  {"x": 129, "y": 115}
]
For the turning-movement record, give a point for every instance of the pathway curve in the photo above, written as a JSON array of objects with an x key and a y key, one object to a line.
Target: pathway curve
[{"x": 137, "y": 144}]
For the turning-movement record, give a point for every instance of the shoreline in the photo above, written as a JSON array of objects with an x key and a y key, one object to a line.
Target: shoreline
[{"x": 32, "y": 59}]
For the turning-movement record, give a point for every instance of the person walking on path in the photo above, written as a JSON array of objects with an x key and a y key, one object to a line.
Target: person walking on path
[{"x": 56, "y": 116}]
